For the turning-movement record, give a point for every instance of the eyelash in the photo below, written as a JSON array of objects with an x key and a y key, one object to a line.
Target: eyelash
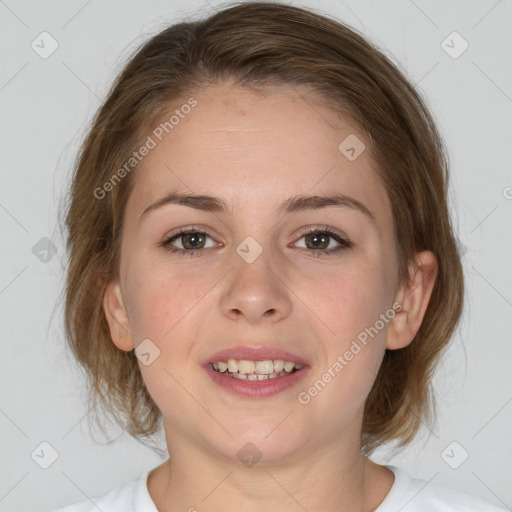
[{"x": 345, "y": 242}]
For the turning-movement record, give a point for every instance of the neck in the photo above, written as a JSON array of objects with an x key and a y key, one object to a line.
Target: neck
[{"x": 329, "y": 479}]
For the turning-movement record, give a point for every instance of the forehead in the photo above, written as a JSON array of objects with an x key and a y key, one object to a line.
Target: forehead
[{"x": 257, "y": 149}]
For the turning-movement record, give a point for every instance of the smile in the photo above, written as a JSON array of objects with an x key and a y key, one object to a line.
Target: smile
[
  {"x": 255, "y": 370},
  {"x": 256, "y": 378}
]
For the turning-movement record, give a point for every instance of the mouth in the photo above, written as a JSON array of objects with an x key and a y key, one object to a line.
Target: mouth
[
  {"x": 255, "y": 372},
  {"x": 244, "y": 369}
]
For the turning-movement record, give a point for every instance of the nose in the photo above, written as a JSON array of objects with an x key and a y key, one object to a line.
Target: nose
[{"x": 256, "y": 292}]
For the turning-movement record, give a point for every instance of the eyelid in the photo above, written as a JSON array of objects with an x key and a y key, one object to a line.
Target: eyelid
[
  {"x": 304, "y": 231},
  {"x": 324, "y": 228},
  {"x": 339, "y": 237},
  {"x": 191, "y": 228}
]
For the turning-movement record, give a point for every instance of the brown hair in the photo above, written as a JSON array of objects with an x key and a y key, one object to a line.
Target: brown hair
[{"x": 257, "y": 44}]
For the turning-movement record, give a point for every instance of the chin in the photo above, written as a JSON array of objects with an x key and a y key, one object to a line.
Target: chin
[{"x": 265, "y": 443}]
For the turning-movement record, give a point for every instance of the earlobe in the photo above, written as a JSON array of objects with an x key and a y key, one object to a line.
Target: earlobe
[
  {"x": 414, "y": 300},
  {"x": 117, "y": 317}
]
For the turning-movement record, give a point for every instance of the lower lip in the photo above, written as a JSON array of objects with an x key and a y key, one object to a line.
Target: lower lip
[{"x": 257, "y": 388}]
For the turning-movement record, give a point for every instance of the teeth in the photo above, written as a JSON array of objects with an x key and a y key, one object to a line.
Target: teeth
[
  {"x": 278, "y": 365},
  {"x": 256, "y": 370},
  {"x": 254, "y": 376},
  {"x": 288, "y": 366},
  {"x": 246, "y": 367},
  {"x": 264, "y": 367}
]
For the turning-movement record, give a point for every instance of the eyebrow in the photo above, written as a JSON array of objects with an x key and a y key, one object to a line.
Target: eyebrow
[{"x": 293, "y": 204}]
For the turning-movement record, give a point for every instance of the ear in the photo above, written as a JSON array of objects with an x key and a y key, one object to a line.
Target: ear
[
  {"x": 414, "y": 300},
  {"x": 117, "y": 317}
]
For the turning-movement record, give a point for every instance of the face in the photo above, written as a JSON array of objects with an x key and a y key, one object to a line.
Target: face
[{"x": 256, "y": 275}]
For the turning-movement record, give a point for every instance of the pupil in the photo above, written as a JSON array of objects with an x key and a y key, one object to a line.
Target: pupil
[
  {"x": 196, "y": 238},
  {"x": 193, "y": 239},
  {"x": 316, "y": 238}
]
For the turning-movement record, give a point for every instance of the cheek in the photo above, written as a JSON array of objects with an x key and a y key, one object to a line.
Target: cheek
[
  {"x": 160, "y": 300},
  {"x": 355, "y": 306},
  {"x": 163, "y": 309},
  {"x": 343, "y": 386},
  {"x": 352, "y": 300}
]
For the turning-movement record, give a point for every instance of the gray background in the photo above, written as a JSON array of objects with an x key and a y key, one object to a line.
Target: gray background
[{"x": 46, "y": 104}]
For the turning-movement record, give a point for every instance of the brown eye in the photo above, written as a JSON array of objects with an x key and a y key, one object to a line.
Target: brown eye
[
  {"x": 317, "y": 241},
  {"x": 321, "y": 238},
  {"x": 192, "y": 242}
]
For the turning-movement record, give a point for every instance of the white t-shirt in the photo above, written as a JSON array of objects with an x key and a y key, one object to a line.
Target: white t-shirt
[{"x": 406, "y": 495}]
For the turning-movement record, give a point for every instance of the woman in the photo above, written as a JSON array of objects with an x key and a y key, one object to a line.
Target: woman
[{"x": 262, "y": 262}]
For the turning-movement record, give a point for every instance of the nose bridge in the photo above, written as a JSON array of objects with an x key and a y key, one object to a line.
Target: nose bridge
[{"x": 254, "y": 286}]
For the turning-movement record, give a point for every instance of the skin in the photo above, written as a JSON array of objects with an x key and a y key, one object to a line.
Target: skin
[{"x": 255, "y": 151}]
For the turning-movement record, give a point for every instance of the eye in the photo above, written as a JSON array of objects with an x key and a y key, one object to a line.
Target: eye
[
  {"x": 320, "y": 238},
  {"x": 191, "y": 240}
]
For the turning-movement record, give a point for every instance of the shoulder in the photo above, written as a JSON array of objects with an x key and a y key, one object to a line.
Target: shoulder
[
  {"x": 132, "y": 496},
  {"x": 415, "y": 495}
]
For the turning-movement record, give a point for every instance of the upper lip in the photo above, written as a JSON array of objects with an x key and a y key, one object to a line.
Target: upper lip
[{"x": 254, "y": 353}]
